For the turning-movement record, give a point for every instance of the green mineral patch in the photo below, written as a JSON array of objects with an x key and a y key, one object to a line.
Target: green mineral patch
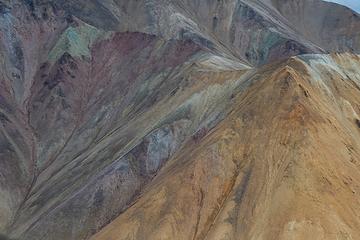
[{"x": 76, "y": 41}]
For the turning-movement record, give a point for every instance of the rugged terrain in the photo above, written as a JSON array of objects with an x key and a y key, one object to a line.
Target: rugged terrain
[{"x": 179, "y": 119}]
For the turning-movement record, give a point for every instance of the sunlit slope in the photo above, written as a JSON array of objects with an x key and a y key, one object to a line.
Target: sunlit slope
[{"x": 283, "y": 165}]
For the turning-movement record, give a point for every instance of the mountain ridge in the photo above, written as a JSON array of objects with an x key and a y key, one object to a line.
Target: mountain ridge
[{"x": 103, "y": 103}]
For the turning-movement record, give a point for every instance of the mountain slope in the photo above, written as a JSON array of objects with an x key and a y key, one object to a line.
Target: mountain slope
[
  {"x": 283, "y": 165},
  {"x": 335, "y": 28},
  {"x": 193, "y": 106}
]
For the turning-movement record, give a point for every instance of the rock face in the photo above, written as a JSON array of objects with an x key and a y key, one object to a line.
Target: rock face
[{"x": 179, "y": 119}]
